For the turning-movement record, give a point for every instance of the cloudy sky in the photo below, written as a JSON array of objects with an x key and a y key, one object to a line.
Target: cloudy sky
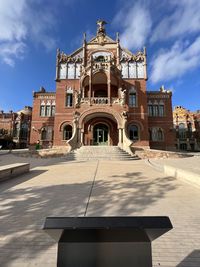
[{"x": 31, "y": 30}]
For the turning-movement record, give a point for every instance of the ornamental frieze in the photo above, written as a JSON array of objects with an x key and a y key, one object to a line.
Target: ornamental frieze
[
  {"x": 140, "y": 56},
  {"x": 64, "y": 58}
]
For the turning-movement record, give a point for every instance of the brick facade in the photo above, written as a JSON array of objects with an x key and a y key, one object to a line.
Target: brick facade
[
  {"x": 101, "y": 99},
  {"x": 187, "y": 128},
  {"x": 15, "y": 128}
]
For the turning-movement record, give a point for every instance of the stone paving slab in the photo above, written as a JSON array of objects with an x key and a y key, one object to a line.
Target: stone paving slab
[{"x": 58, "y": 188}]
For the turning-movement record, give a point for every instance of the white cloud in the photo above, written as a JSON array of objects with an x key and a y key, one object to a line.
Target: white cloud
[
  {"x": 21, "y": 22},
  {"x": 136, "y": 23},
  {"x": 184, "y": 19},
  {"x": 9, "y": 51},
  {"x": 174, "y": 63}
]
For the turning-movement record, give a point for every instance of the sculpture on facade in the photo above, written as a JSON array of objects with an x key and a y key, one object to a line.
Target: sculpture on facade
[
  {"x": 77, "y": 98},
  {"x": 101, "y": 30},
  {"x": 123, "y": 96}
]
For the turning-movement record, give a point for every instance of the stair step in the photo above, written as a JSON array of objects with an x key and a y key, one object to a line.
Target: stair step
[{"x": 86, "y": 153}]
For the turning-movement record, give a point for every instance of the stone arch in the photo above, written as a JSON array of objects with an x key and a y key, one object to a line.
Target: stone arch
[
  {"x": 62, "y": 124},
  {"x": 102, "y": 112},
  {"x": 135, "y": 122},
  {"x": 100, "y": 51}
]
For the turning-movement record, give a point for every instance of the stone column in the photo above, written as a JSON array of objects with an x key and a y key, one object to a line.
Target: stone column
[
  {"x": 83, "y": 92},
  {"x": 90, "y": 83},
  {"x": 121, "y": 135},
  {"x": 90, "y": 88},
  {"x": 109, "y": 86},
  {"x": 82, "y": 136}
]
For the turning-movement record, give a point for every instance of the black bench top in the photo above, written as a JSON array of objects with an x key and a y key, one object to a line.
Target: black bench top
[{"x": 143, "y": 222}]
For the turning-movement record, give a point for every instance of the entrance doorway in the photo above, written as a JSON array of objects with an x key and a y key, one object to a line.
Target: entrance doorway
[{"x": 100, "y": 134}]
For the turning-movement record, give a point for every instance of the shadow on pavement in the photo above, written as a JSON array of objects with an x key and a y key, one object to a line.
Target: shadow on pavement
[
  {"x": 23, "y": 210},
  {"x": 193, "y": 259}
]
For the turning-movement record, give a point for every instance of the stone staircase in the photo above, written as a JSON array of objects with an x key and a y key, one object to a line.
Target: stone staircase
[{"x": 99, "y": 153}]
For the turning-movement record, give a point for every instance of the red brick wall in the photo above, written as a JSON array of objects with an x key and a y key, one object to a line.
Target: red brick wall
[{"x": 165, "y": 122}]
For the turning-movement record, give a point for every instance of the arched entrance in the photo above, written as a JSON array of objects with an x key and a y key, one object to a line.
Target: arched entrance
[{"x": 100, "y": 134}]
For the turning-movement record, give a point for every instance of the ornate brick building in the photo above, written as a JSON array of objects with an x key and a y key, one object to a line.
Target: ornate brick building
[
  {"x": 15, "y": 128},
  {"x": 101, "y": 99},
  {"x": 187, "y": 125}
]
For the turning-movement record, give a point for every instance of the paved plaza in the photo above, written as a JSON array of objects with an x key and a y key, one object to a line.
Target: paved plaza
[{"x": 56, "y": 187}]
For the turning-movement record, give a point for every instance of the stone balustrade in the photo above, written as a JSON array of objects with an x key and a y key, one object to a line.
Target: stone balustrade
[{"x": 100, "y": 100}]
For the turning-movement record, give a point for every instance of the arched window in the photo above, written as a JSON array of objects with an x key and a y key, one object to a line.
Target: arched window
[
  {"x": 67, "y": 132},
  {"x": 182, "y": 131},
  {"x": 133, "y": 132},
  {"x": 156, "y": 134},
  {"x": 132, "y": 97},
  {"x": 47, "y": 133},
  {"x": 43, "y": 134},
  {"x": 69, "y": 100},
  {"x": 24, "y": 130}
]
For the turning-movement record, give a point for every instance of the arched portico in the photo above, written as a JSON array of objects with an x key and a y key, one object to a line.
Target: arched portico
[{"x": 99, "y": 128}]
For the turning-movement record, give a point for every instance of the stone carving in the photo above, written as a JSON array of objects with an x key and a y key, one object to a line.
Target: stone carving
[
  {"x": 163, "y": 90},
  {"x": 76, "y": 117},
  {"x": 123, "y": 96},
  {"x": 73, "y": 58},
  {"x": 125, "y": 115},
  {"x": 101, "y": 29},
  {"x": 77, "y": 98},
  {"x": 125, "y": 56}
]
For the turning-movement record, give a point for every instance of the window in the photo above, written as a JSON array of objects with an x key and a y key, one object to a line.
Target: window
[
  {"x": 150, "y": 110},
  {"x": 43, "y": 134},
  {"x": 63, "y": 71},
  {"x": 71, "y": 71},
  {"x": 24, "y": 130},
  {"x": 124, "y": 69},
  {"x": 132, "y": 99},
  {"x": 156, "y": 134},
  {"x": 52, "y": 110},
  {"x": 133, "y": 132},
  {"x": 156, "y": 110},
  {"x": 47, "y": 133},
  {"x": 48, "y": 111},
  {"x": 182, "y": 131},
  {"x": 161, "y": 110},
  {"x": 69, "y": 100},
  {"x": 42, "y": 111},
  {"x": 67, "y": 132}
]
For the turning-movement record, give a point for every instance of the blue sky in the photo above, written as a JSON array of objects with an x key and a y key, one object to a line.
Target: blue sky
[{"x": 31, "y": 30}]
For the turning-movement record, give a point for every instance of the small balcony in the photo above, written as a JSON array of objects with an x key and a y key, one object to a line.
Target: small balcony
[{"x": 100, "y": 100}]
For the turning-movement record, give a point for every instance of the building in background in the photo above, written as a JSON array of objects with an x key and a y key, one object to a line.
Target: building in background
[
  {"x": 187, "y": 126},
  {"x": 15, "y": 128},
  {"x": 101, "y": 99}
]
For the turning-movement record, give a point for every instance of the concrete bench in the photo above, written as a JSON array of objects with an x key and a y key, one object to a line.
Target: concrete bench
[{"x": 12, "y": 170}]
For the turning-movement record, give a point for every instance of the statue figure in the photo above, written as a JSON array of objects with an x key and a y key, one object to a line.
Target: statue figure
[
  {"x": 162, "y": 89},
  {"x": 76, "y": 117},
  {"x": 123, "y": 96},
  {"x": 125, "y": 115},
  {"x": 101, "y": 29}
]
